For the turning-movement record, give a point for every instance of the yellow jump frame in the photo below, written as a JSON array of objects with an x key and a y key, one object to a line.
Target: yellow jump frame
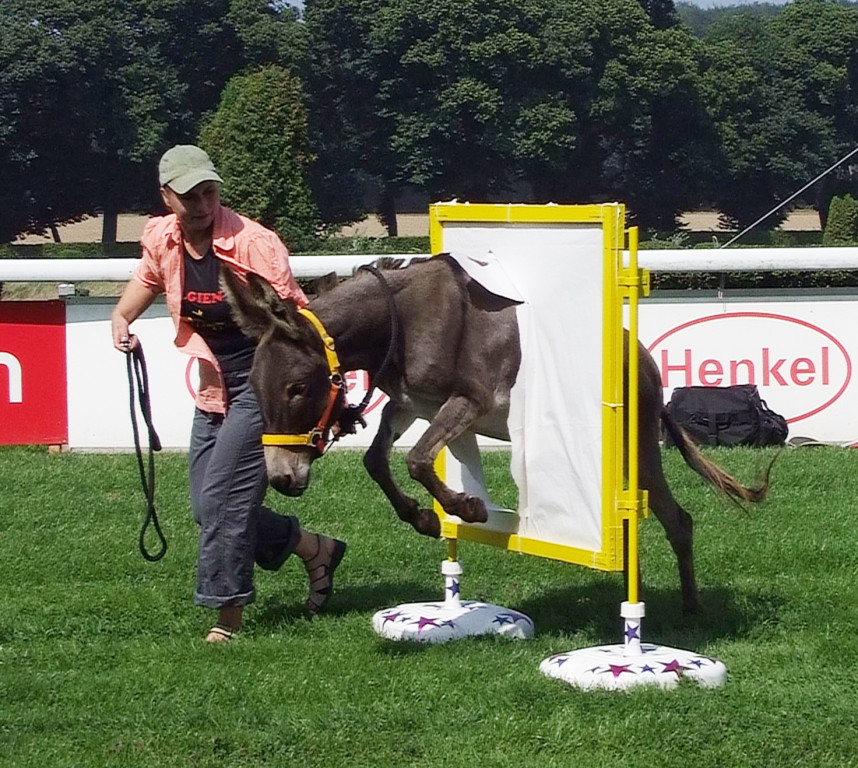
[
  {"x": 574, "y": 505},
  {"x": 621, "y": 503}
]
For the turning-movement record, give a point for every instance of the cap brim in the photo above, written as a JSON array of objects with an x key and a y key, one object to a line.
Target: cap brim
[{"x": 186, "y": 182}]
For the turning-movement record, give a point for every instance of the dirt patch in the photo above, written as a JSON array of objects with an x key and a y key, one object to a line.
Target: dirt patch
[
  {"x": 130, "y": 226},
  {"x": 800, "y": 220}
]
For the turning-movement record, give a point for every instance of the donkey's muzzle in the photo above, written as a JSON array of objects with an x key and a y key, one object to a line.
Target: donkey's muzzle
[{"x": 286, "y": 485}]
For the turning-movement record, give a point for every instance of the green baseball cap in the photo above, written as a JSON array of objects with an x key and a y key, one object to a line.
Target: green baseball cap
[{"x": 184, "y": 166}]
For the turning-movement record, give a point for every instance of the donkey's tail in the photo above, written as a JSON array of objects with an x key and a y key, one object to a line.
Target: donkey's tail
[{"x": 710, "y": 471}]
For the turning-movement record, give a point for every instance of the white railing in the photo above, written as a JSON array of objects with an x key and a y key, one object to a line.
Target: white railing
[{"x": 700, "y": 260}]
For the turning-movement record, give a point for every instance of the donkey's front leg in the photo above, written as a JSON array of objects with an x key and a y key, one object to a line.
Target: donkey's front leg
[
  {"x": 395, "y": 419},
  {"x": 454, "y": 417}
]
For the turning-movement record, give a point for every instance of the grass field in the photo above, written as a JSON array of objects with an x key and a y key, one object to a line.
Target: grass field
[{"x": 102, "y": 661}]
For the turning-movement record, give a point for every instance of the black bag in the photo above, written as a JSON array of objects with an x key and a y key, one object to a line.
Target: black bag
[{"x": 726, "y": 416}]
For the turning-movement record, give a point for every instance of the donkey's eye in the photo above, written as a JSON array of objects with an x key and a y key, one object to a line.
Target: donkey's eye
[{"x": 295, "y": 390}]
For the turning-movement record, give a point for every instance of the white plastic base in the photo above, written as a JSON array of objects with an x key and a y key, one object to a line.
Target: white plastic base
[
  {"x": 611, "y": 667},
  {"x": 440, "y": 622}
]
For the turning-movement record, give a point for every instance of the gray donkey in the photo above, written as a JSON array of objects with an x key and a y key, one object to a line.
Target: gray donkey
[{"x": 443, "y": 349}]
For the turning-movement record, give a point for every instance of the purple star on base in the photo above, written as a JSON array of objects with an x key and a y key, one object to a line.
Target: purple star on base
[
  {"x": 559, "y": 660},
  {"x": 697, "y": 663},
  {"x": 594, "y": 670},
  {"x": 647, "y": 668},
  {"x": 674, "y": 666},
  {"x": 424, "y": 622},
  {"x": 448, "y": 623},
  {"x": 391, "y": 617},
  {"x": 503, "y": 618}
]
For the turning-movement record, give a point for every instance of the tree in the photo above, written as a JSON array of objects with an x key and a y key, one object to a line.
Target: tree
[
  {"x": 842, "y": 225},
  {"x": 662, "y": 13},
  {"x": 45, "y": 138},
  {"x": 819, "y": 66},
  {"x": 346, "y": 132},
  {"x": 647, "y": 124},
  {"x": 258, "y": 140},
  {"x": 782, "y": 91},
  {"x": 414, "y": 93},
  {"x": 575, "y": 102},
  {"x": 92, "y": 91},
  {"x": 453, "y": 74},
  {"x": 741, "y": 180}
]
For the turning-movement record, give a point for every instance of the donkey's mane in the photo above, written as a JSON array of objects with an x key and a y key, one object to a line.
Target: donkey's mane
[
  {"x": 324, "y": 283},
  {"x": 397, "y": 262}
]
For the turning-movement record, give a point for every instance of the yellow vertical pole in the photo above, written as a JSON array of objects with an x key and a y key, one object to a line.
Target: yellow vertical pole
[{"x": 632, "y": 410}]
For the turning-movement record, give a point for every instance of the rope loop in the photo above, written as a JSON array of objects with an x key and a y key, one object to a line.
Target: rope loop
[{"x": 135, "y": 363}]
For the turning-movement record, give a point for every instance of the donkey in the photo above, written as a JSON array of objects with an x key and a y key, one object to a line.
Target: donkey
[{"x": 443, "y": 349}]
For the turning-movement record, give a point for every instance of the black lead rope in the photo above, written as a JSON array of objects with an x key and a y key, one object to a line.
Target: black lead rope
[
  {"x": 136, "y": 365},
  {"x": 353, "y": 414}
]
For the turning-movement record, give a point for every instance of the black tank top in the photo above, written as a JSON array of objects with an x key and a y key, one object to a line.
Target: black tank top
[{"x": 205, "y": 308}]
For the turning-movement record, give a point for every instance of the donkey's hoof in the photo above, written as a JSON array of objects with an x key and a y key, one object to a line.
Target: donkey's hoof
[
  {"x": 427, "y": 523},
  {"x": 471, "y": 509}
]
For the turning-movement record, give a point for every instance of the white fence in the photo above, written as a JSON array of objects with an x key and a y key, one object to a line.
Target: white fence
[
  {"x": 797, "y": 348},
  {"x": 696, "y": 260}
]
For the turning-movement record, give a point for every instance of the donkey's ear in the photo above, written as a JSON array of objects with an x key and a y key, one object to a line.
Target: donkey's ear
[
  {"x": 256, "y": 307},
  {"x": 324, "y": 283}
]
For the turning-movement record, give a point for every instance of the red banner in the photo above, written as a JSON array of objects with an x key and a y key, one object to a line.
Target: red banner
[{"x": 33, "y": 399}]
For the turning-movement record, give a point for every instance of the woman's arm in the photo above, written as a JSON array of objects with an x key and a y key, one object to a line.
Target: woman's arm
[{"x": 133, "y": 302}]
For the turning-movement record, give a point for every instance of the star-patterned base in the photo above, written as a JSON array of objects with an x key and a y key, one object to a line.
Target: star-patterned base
[
  {"x": 440, "y": 622},
  {"x": 609, "y": 667}
]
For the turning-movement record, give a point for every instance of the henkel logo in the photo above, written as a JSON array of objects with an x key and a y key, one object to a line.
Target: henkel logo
[
  {"x": 15, "y": 378},
  {"x": 799, "y": 368}
]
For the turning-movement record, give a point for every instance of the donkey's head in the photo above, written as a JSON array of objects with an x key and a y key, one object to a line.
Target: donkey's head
[{"x": 291, "y": 377}]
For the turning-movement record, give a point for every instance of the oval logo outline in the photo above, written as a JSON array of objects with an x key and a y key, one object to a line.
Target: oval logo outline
[{"x": 773, "y": 316}]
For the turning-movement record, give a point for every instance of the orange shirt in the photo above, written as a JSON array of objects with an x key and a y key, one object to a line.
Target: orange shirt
[{"x": 240, "y": 242}]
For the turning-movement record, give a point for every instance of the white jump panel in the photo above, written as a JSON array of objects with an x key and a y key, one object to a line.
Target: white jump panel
[{"x": 555, "y": 420}]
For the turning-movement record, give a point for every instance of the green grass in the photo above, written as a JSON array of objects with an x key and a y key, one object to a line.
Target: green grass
[{"x": 102, "y": 661}]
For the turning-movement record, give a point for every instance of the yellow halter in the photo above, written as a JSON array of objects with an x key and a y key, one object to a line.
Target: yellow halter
[{"x": 317, "y": 437}]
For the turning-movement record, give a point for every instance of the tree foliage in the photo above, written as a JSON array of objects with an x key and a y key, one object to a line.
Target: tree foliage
[
  {"x": 842, "y": 225},
  {"x": 92, "y": 91},
  {"x": 783, "y": 94},
  {"x": 571, "y": 102},
  {"x": 662, "y": 13},
  {"x": 471, "y": 99},
  {"x": 258, "y": 140},
  {"x": 535, "y": 100},
  {"x": 346, "y": 134}
]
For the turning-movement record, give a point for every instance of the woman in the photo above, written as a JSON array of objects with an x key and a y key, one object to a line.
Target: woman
[{"x": 181, "y": 255}]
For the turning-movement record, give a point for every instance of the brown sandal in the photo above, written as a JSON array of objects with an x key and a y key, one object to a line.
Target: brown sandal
[
  {"x": 322, "y": 585},
  {"x": 220, "y": 634}
]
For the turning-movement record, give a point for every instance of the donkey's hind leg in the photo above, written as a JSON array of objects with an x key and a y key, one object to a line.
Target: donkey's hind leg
[
  {"x": 677, "y": 523},
  {"x": 453, "y": 418},
  {"x": 395, "y": 419}
]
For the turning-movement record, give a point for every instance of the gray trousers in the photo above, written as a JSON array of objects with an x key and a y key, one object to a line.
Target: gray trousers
[{"x": 228, "y": 483}]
